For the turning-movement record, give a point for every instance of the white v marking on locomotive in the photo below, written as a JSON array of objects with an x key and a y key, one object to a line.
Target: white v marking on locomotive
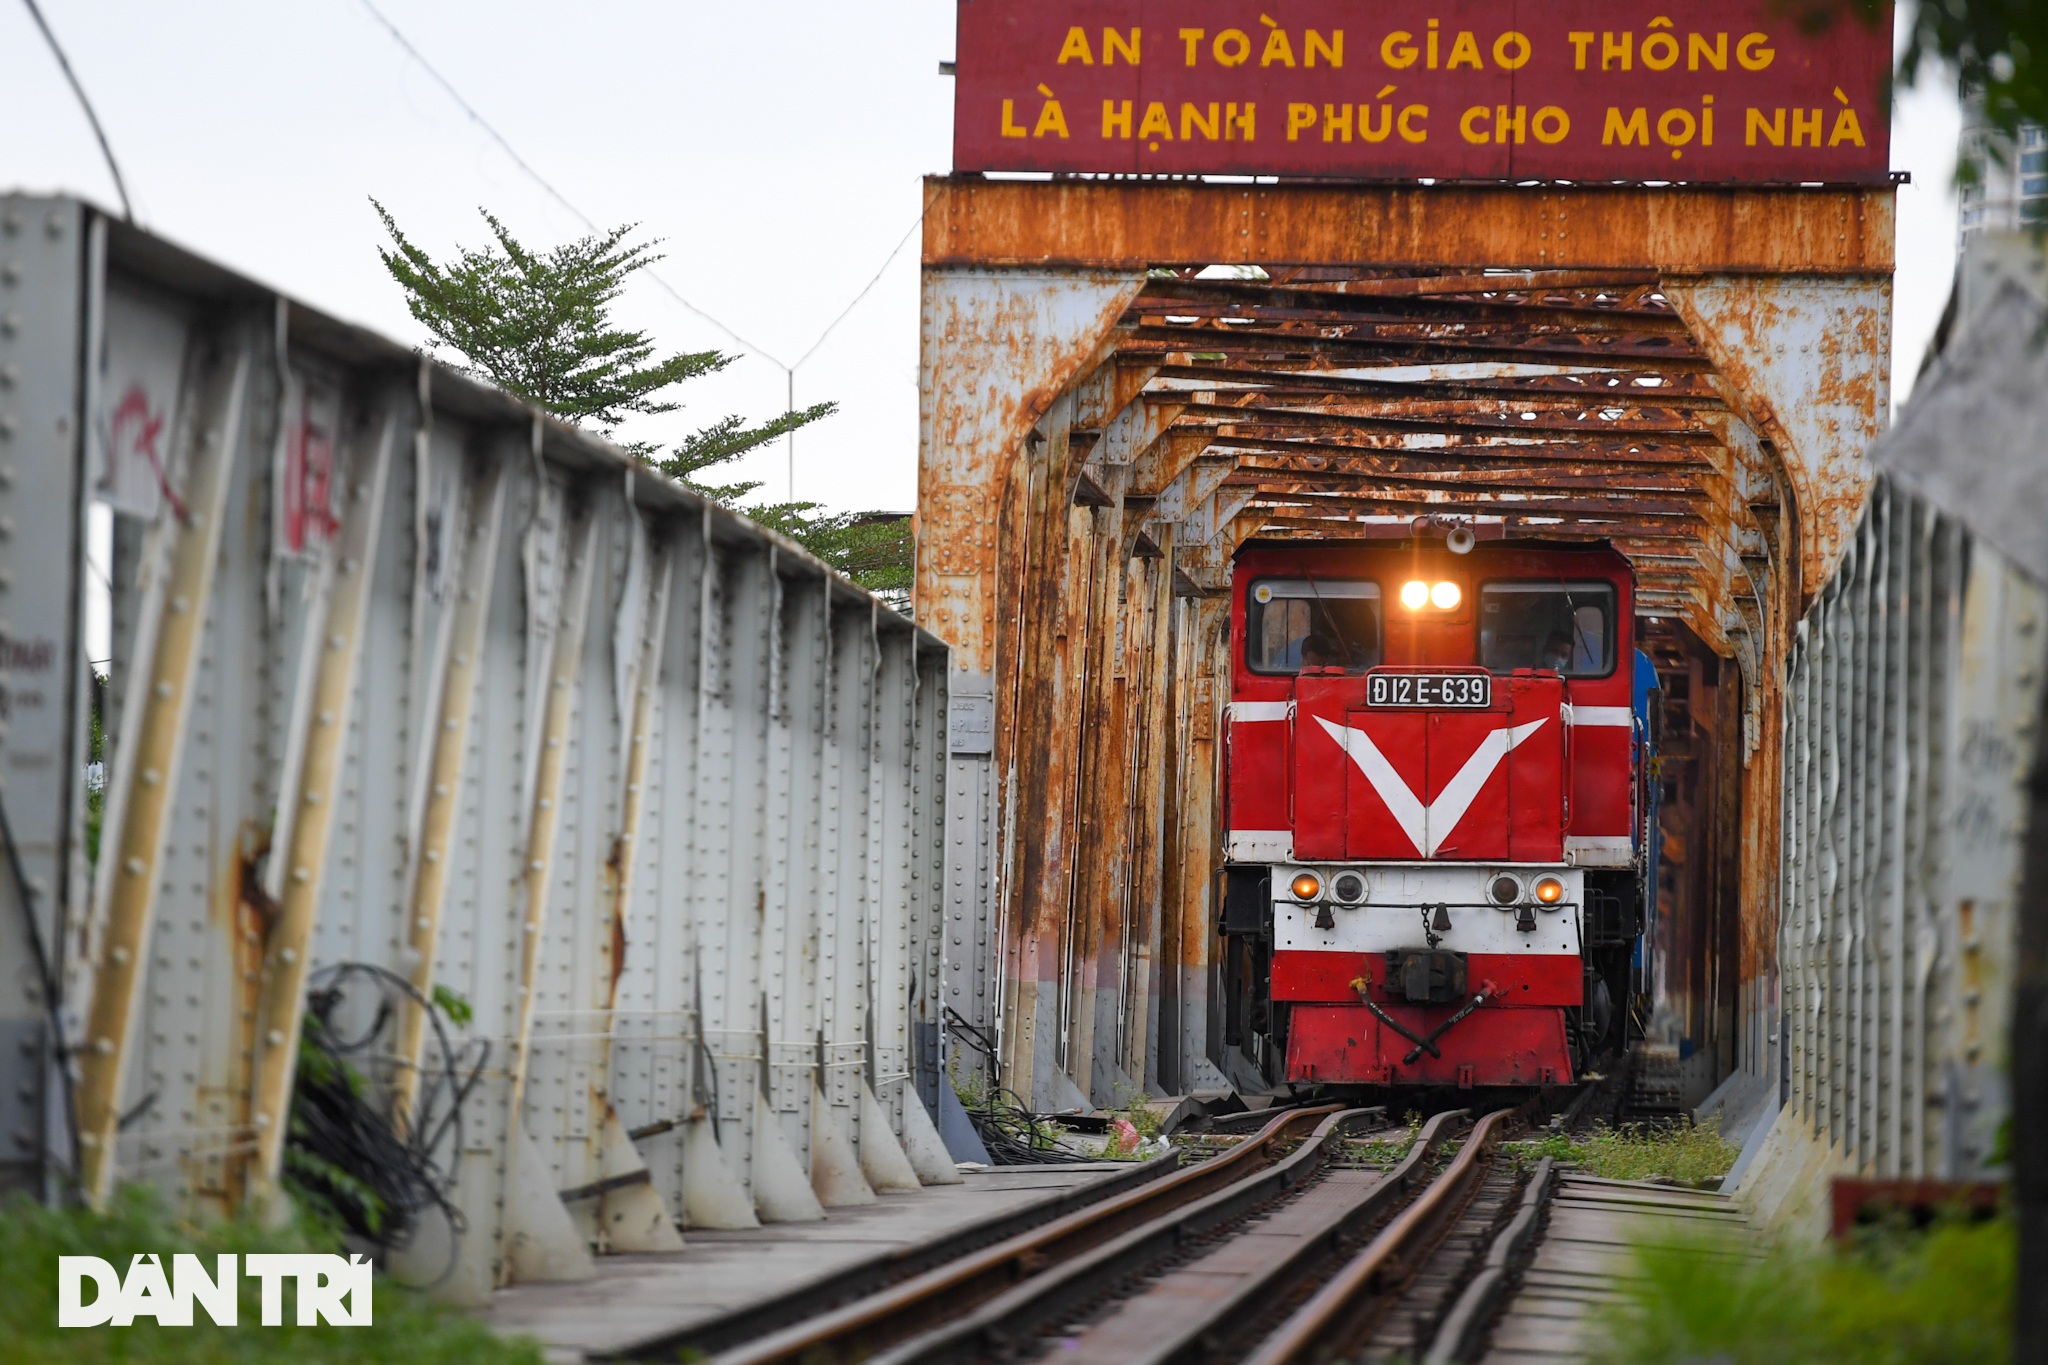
[{"x": 1428, "y": 826}]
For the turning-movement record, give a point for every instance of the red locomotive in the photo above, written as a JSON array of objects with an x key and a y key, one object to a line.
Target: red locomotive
[{"x": 1435, "y": 870}]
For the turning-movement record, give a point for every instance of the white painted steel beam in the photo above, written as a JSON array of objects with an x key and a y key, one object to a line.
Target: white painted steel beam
[
  {"x": 554, "y": 743},
  {"x": 182, "y": 559},
  {"x": 342, "y": 586}
]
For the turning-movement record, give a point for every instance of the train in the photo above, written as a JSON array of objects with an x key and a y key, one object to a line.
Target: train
[{"x": 1439, "y": 811}]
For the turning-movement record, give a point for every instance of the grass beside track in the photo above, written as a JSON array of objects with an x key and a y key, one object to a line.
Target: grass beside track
[
  {"x": 1689, "y": 1154},
  {"x": 1894, "y": 1297},
  {"x": 407, "y": 1327}
]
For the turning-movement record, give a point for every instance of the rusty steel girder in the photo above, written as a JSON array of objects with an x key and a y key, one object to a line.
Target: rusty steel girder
[{"x": 1123, "y": 383}]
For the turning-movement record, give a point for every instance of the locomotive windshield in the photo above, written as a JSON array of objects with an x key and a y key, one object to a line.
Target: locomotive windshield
[
  {"x": 1565, "y": 627},
  {"x": 1297, "y": 623}
]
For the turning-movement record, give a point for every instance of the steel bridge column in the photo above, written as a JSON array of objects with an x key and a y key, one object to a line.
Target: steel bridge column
[
  {"x": 999, "y": 347},
  {"x": 146, "y": 768},
  {"x": 306, "y": 809}
]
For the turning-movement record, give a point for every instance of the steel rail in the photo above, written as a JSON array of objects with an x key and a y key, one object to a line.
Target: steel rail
[
  {"x": 1460, "y": 1327},
  {"x": 859, "y": 1330},
  {"x": 749, "y": 1321},
  {"x": 1321, "y": 1328},
  {"x": 1204, "y": 1331},
  {"x": 1045, "y": 1299}
]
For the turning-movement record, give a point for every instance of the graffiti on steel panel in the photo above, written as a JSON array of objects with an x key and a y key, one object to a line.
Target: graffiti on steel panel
[
  {"x": 306, "y": 516},
  {"x": 1479, "y": 90},
  {"x": 141, "y": 356}
]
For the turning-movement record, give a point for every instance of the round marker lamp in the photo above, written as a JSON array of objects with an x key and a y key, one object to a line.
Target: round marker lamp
[{"x": 1414, "y": 594}]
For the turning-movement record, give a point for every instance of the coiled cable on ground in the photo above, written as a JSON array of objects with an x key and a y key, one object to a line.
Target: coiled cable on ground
[{"x": 1013, "y": 1134}]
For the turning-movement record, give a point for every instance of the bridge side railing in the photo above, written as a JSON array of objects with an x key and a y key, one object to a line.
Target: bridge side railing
[
  {"x": 1913, "y": 706},
  {"x": 416, "y": 695},
  {"x": 1913, "y": 688}
]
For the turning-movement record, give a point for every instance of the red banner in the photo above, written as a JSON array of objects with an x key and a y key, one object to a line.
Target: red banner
[{"x": 1582, "y": 90}]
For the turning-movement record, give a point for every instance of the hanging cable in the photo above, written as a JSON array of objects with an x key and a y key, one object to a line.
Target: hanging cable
[
  {"x": 106, "y": 150},
  {"x": 46, "y": 981},
  {"x": 377, "y": 1169},
  {"x": 1013, "y": 1134}
]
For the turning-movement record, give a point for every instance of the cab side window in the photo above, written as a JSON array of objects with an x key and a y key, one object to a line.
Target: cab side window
[
  {"x": 1565, "y": 628},
  {"x": 1297, "y": 623}
]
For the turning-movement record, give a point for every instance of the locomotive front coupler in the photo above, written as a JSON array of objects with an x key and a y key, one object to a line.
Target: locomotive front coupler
[{"x": 1426, "y": 976}]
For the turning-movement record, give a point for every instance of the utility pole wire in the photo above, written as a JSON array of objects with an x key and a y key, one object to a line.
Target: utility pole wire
[
  {"x": 887, "y": 261},
  {"x": 788, "y": 371},
  {"x": 57, "y": 50},
  {"x": 480, "y": 121}
]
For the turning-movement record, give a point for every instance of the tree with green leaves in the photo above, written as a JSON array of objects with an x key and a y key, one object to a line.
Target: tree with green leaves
[{"x": 539, "y": 325}]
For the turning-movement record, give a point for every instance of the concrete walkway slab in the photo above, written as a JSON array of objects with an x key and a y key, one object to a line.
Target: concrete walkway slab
[
  {"x": 638, "y": 1298},
  {"x": 1585, "y": 1260}
]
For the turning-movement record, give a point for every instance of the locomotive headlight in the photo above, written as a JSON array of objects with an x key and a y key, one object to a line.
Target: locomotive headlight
[
  {"x": 1549, "y": 891},
  {"x": 1348, "y": 887},
  {"x": 1414, "y": 594},
  {"x": 1445, "y": 596},
  {"x": 1505, "y": 890},
  {"x": 1306, "y": 886}
]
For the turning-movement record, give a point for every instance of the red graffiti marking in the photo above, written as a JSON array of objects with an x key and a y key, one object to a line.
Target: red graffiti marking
[
  {"x": 309, "y": 485},
  {"x": 134, "y": 432}
]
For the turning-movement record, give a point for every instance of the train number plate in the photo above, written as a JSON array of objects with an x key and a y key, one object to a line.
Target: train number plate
[{"x": 1442, "y": 691}]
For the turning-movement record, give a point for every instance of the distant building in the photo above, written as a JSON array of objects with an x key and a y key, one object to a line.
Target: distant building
[{"x": 2013, "y": 190}]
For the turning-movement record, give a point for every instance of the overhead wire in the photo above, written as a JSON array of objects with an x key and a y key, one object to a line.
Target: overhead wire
[
  {"x": 448, "y": 88},
  {"x": 78, "y": 89},
  {"x": 880, "y": 271},
  {"x": 788, "y": 370}
]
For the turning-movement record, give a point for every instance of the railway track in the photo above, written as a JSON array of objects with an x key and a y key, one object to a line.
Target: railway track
[
  {"x": 1284, "y": 1250},
  {"x": 855, "y": 1315}
]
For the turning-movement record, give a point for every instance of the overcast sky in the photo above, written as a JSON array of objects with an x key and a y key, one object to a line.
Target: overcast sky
[{"x": 775, "y": 147}]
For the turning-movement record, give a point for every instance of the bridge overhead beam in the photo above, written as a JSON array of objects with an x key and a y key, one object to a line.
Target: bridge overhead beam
[
  {"x": 1123, "y": 226},
  {"x": 1687, "y": 374}
]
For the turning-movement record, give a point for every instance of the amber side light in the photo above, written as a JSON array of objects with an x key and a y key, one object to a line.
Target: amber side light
[
  {"x": 1550, "y": 890},
  {"x": 1307, "y": 886}
]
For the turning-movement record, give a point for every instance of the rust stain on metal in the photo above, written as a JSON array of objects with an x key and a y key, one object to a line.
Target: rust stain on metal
[
  {"x": 616, "y": 885},
  {"x": 1670, "y": 230},
  {"x": 1017, "y": 349},
  {"x": 1687, "y": 375}
]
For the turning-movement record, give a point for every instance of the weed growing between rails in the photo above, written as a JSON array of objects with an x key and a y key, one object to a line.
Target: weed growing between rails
[
  {"x": 1893, "y": 1297},
  {"x": 405, "y": 1326},
  {"x": 1687, "y": 1155},
  {"x": 1134, "y": 1128},
  {"x": 1385, "y": 1151}
]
